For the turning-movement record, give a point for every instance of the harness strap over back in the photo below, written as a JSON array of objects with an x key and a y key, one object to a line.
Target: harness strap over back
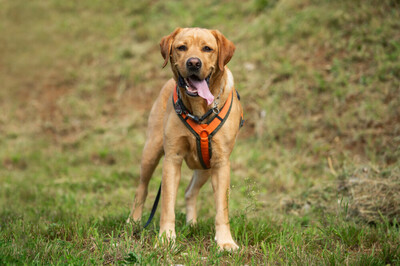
[{"x": 203, "y": 132}]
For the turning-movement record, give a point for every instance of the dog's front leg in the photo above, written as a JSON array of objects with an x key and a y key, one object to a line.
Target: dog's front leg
[
  {"x": 220, "y": 181},
  {"x": 170, "y": 180}
]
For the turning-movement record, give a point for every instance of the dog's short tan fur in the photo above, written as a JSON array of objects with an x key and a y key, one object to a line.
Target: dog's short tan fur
[{"x": 168, "y": 136}]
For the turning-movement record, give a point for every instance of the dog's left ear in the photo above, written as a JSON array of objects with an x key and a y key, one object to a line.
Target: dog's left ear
[
  {"x": 166, "y": 45},
  {"x": 226, "y": 48}
]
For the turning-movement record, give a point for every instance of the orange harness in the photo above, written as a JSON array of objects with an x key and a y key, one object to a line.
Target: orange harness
[{"x": 203, "y": 132}]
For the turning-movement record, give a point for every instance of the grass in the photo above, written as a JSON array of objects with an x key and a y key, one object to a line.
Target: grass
[{"x": 319, "y": 81}]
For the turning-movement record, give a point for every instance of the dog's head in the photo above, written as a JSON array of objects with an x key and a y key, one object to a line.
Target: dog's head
[{"x": 196, "y": 55}]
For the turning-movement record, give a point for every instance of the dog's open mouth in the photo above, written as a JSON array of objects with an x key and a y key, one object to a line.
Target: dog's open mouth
[{"x": 197, "y": 87}]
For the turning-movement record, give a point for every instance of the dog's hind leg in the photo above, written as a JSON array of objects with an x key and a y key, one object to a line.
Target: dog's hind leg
[
  {"x": 192, "y": 191},
  {"x": 152, "y": 153},
  {"x": 153, "y": 148}
]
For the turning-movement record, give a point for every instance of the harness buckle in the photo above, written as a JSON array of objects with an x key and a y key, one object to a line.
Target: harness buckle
[
  {"x": 178, "y": 108},
  {"x": 193, "y": 117}
]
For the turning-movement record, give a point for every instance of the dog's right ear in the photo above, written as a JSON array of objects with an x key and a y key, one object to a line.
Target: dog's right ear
[{"x": 166, "y": 45}]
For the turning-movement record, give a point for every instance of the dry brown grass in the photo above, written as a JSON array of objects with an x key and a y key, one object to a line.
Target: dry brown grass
[{"x": 374, "y": 196}]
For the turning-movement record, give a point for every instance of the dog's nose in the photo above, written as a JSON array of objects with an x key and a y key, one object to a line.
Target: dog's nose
[{"x": 193, "y": 63}]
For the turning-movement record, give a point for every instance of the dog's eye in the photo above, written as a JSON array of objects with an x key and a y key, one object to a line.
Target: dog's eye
[
  {"x": 207, "y": 49},
  {"x": 182, "y": 48}
]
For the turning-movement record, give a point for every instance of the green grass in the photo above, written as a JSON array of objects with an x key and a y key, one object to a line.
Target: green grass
[{"x": 320, "y": 85}]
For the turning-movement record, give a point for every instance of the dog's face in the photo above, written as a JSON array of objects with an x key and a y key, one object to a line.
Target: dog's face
[{"x": 196, "y": 54}]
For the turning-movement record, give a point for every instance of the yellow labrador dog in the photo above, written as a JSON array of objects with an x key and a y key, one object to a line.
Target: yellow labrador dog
[{"x": 195, "y": 118}]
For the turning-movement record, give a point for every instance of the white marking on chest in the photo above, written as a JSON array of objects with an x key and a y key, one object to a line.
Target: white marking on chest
[{"x": 229, "y": 81}]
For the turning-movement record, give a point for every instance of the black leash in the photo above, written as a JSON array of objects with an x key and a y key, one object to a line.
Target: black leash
[{"x": 154, "y": 209}]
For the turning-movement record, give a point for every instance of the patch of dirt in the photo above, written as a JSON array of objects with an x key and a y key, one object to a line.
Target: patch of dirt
[
  {"x": 103, "y": 159},
  {"x": 12, "y": 164}
]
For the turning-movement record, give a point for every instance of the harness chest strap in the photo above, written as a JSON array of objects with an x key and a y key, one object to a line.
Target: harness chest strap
[{"x": 203, "y": 132}]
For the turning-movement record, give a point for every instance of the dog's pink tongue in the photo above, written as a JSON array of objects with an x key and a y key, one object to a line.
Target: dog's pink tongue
[{"x": 203, "y": 90}]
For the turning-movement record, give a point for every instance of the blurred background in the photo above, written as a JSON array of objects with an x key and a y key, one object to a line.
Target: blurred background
[{"x": 319, "y": 82}]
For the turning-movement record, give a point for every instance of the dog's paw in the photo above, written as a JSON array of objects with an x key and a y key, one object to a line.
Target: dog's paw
[
  {"x": 224, "y": 239},
  {"x": 131, "y": 220},
  {"x": 229, "y": 246},
  {"x": 166, "y": 240},
  {"x": 192, "y": 222},
  {"x": 167, "y": 235}
]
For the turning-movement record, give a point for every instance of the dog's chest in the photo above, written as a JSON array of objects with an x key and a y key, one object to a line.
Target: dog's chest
[{"x": 192, "y": 154}]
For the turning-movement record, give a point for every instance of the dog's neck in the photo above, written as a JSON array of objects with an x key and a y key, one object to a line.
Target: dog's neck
[{"x": 221, "y": 84}]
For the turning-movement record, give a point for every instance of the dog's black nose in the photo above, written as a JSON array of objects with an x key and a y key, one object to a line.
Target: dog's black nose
[{"x": 193, "y": 63}]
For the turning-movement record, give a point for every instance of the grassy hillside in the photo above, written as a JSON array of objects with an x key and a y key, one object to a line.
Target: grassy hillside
[{"x": 315, "y": 171}]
